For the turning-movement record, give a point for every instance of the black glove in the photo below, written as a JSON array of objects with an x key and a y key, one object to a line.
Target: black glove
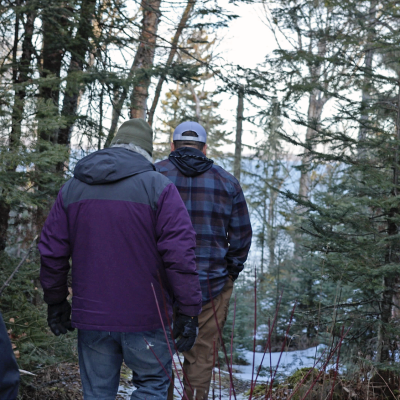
[
  {"x": 187, "y": 328},
  {"x": 59, "y": 317}
]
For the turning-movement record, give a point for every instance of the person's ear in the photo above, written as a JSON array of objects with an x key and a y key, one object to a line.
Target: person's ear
[
  {"x": 205, "y": 150},
  {"x": 172, "y": 146}
]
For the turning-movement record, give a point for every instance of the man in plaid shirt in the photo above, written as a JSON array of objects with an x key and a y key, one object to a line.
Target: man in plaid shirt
[{"x": 218, "y": 210}]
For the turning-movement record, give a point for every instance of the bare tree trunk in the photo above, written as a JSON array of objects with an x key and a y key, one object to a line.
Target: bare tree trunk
[
  {"x": 21, "y": 72},
  {"x": 54, "y": 24},
  {"x": 78, "y": 50},
  {"x": 263, "y": 234},
  {"x": 315, "y": 106},
  {"x": 196, "y": 102},
  {"x": 366, "y": 87},
  {"x": 101, "y": 118},
  {"x": 271, "y": 229},
  {"x": 182, "y": 24},
  {"x": 390, "y": 295},
  {"x": 140, "y": 92},
  {"x": 238, "y": 141},
  {"x": 145, "y": 51}
]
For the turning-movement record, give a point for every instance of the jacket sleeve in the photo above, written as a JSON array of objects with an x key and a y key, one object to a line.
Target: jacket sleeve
[
  {"x": 9, "y": 374},
  {"x": 54, "y": 248},
  {"x": 176, "y": 242},
  {"x": 239, "y": 235}
]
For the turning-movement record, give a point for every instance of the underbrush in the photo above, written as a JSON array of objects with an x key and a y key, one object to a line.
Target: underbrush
[
  {"x": 25, "y": 315},
  {"x": 310, "y": 384}
]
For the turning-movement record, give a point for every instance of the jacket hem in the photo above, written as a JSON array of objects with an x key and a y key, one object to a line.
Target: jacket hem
[{"x": 117, "y": 328}]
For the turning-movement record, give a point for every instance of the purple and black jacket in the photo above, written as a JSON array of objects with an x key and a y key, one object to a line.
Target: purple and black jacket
[{"x": 126, "y": 229}]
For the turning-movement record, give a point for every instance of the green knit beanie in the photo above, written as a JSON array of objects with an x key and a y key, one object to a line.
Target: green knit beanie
[{"x": 136, "y": 131}]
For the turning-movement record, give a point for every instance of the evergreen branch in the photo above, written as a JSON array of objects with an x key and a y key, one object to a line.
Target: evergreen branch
[
  {"x": 356, "y": 304},
  {"x": 6, "y": 283}
]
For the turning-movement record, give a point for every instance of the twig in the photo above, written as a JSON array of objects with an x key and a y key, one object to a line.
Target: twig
[
  {"x": 386, "y": 384},
  {"x": 233, "y": 329},
  {"x": 220, "y": 338},
  {"x": 18, "y": 266},
  {"x": 325, "y": 365},
  {"x": 23, "y": 372},
  {"x": 172, "y": 335},
  {"x": 268, "y": 344},
  {"x": 253, "y": 384},
  {"x": 283, "y": 348},
  {"x": 337, "y": 369},
  {"x": 185, "y": 396}
]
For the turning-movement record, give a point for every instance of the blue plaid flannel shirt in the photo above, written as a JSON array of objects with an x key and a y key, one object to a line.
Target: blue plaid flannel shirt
[{"x": 220, "y": 217}]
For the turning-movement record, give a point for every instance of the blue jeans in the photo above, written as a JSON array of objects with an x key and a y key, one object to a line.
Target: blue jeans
[{"x": 100, "y": 359}]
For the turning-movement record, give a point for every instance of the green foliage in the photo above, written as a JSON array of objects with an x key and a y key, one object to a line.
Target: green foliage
[
  {"x": 349, "y": 219},
  {"x": 25, "y": 316},
  {"x": 191, "y": 101},
  {"x": 300, "y": 375}
]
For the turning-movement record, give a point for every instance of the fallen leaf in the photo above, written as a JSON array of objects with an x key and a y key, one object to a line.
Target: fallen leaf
[
  {"x": 17, "y": 354},
  {"x": 14, "y": 346},
  {"x": 12, "y": 320}
]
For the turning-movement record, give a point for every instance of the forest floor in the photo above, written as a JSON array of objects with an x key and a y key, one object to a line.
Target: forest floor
[{"x": 62, "y": 381}]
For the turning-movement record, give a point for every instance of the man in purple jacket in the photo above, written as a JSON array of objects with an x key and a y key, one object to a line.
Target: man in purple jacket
[
  {"x": 131, "y": 242},
  {"x": 219, "y": 215}
]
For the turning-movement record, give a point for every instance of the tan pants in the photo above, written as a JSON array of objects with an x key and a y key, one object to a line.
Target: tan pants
[{"x": 198, "y": 364}]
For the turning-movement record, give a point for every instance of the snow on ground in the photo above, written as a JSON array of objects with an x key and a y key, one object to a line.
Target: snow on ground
[{"x": 288, "y": 363}]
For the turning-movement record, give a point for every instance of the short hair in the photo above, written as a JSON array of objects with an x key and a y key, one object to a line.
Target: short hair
[{"x": 191, "y": 143}]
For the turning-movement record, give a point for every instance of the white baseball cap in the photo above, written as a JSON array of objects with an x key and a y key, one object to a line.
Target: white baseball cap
[{"x": 190, "y": 126}]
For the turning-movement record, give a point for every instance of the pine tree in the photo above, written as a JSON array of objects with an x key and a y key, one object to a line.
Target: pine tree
[
  {"x": 191, "y": 101},
  {"x": 350, "y": 219}
]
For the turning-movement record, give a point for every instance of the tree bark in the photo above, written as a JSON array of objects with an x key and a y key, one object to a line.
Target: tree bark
[
  {"x": 78, "y": 50},
  {"x": 145, "y": 51},
  {"x": 140, "y": 92},
  {"x": 390, "y": 295},
  {"x": 196, "y": 102},
  {"x": 182, "y": 24},
  {"x": 21, "y": 73},
  {"x": 263, "y": 233},
  {"x": 54, "y": 25},
  {"x": 366, "y": 87},
  {"x": 271, "y": 230},
  {"x": 239, "y": 130},
  {"x": 315, "y": 107}
]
